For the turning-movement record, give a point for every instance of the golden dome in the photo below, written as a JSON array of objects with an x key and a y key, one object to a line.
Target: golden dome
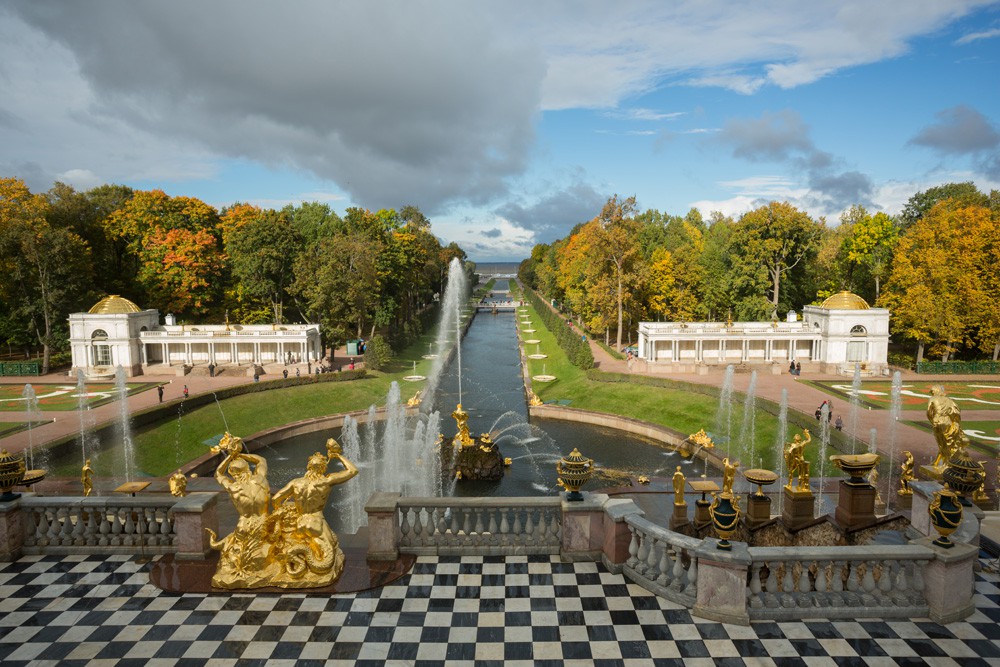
[
  {"x": 114, "y": 305},
  {"x": 845, "y": 301}
]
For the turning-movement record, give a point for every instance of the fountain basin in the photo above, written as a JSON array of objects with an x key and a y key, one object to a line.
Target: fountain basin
[
  {"x": 528, "y": 330},
  {"x": 856, "y": 465},
  {"x": 533, "y": 341},
  {"x": 414, "y": 378},
  {"x": 543, "y": 378},
  {"x": 761, "y": 478},
  {"x": 538, "y": 356}
]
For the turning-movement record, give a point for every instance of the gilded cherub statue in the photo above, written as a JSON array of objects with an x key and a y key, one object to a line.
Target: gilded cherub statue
[
  {"x": 728, "y": 475},
  {"x": 533, "y": 399},
  {"x": 87, "y": 478},
  {"x": 413, "y": 402},
  {"x": 906, "y": 475},
  {"x": 178, "y": 484}
]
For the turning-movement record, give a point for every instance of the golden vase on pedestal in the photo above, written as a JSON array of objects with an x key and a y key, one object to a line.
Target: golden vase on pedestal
[
  {"x": 12, "y": 469},
  {"x": 725, "y": 513},
  {"x": 574, "y": 471},
  {"x": 946, "y": 515}
]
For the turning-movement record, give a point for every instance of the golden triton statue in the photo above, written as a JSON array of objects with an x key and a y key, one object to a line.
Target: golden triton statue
[
  {"x": 795, "y": 462},
  {"x": 291, "y": 546},
  {"x": 702, "y": 439},
  {"x": 533, "y": 399},
  {"x": 728, "y": 475},
  {"x": 178, "y": 484},
  {"x": 946, "y": 419},
  {"x": 413, "y": 402},
  {"x": 461, "y": 417},
  {"x": 87, "y": 478}
]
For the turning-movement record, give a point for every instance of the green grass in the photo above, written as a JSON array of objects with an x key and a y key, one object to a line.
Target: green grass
[
  {"x": 63, "y": 396},
  {"x": 10, "y": 428},
  {"x": 990, "y": 429}
]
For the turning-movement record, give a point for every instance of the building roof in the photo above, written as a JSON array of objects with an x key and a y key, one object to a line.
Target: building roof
[
  {"x": 114, "y": 305},
  {"x": 845, "y": 301}
]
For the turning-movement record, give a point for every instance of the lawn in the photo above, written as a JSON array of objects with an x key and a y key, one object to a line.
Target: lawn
[
  {"x": 984, "y": 436},
  {"x": 10, "y": 428},
  {"x": 976, "y": 395},
  {"x": 55, "y": 396}
]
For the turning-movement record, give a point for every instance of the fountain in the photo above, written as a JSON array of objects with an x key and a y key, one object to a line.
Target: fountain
[
  {"x": 748, "y": 426},
  {"x": 724, "y": 414},
  {"x": 430, "y": 352},
  {"x": 544, "y": 377},
  {"x": 415, "y": 377},
  {"x": 782, "y": 435},
  {"x": 855, "y": 409},
  {"x": 83, "y": 413},
  {"x": 895, "y": 407},
  {"x": 125, "y": 423},
  {"x": 538, "y": 354},
  {"x": 31, "y": 407},
  {"x": 824, "y": 441},
  {"x": 450, "y": 323}
]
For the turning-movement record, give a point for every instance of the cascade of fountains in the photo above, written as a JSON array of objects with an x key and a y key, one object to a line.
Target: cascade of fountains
[
  {"x": 353, "y": 508},
  {"x": 724, "y": 413},
  {"x": 855, "y": 412},
  {"x": 872, "y": 440},
  {"x": 895, "y": 406},
  {"x": 748, "y": 427},
  {"x": 125, "y": 422},
  {"x": 779, "y": 445},
  {"x": 824, "y": 441},
  {"x": 31, "y": 406}
]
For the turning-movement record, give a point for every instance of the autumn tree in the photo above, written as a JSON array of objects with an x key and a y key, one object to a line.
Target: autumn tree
[
  {"x": 871, "y": 243},
  {"x": 775, "y": 239},
  {"x": 616, "y": 245},
  {"x": 964, "y": 194}
]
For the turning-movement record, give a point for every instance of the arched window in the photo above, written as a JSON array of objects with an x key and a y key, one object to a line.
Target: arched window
[
  {"x": 102, "y": 351},
  {"x": 99, "y": 334},
  {"x": 858, "y": 330}
]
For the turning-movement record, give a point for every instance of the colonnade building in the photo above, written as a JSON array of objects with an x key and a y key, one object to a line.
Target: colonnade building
[
  {"x": 842, "y": 333},
  {"x": 116, "y": 332}
]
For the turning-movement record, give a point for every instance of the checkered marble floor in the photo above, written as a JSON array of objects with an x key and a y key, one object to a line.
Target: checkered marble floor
[{"x": 97, "y": 610}]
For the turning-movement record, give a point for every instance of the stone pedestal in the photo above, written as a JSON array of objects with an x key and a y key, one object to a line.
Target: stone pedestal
[
  {"x": 383, "y": 526},
  {"x": 758, "y": 510},
  {"x": 722, "y": 583},
  {"x": 192, "y": 515},
  {"x": 949, "y": 581},
  {"x": 798, "y": 508},
  {"x": 931, "y": 473},
  {"x": 856, "y": 506},
  {"x": 11, "y": 531},
  {"x": 617, "y": 535},
  {"x": 904, "y": 501},
  {"x": 701, "y": 515},
  {"x": 583, "y": 527},
  {"x": 679, "y": 518}
]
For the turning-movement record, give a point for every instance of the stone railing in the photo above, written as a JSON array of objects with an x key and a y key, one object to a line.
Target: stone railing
[
  {"x": 845, "y": 582},
  {"x": 143, "y": 525},
  {"x": 663, "y": 561},
  {"x": 913, "y": 580}
]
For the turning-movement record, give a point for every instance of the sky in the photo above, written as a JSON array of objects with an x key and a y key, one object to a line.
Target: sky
[{"x": 508, "y": 121}]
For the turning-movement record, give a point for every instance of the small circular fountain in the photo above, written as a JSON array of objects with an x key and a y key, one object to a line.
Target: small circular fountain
[
  {"x": 538, "y": 354},
  {"x": 414, "y": 377},
  {"x": 532, "y": 341}
]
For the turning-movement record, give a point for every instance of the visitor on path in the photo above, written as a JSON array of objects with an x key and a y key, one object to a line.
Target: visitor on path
[
  {"x": 256, "y": 378},
  {"x": 791, "y": 367},
  {"x": 798, "y": 368},
  {"x": 839, "y": 424},
  {"x": 211, "y": 370},
  {"x": 159, "y": 391},
  {"x": 352, "y": 364},
  {"x": 185, "y": 391},
  {"x": 284, "y": 373},
  {"x": 298, "y": 372}
]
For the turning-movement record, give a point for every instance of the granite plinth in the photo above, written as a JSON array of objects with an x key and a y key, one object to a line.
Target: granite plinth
[
  {"x": 680, "y": 516},
  {"x": 758, "y": 510},
  {"x": 856, "y": 506},
  {"x": 798, "y": 509}
]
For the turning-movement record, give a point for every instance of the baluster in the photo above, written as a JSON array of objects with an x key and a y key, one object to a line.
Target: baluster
[
  {"x": 664, "y": 566},
  {"x": 901, "y": 588},
  {"x": 80, "y": 527},
  {"x": 66, "y": 529},
  {"x": 30, "y": 528},
  {"x": 754, "y": 596},
  {"x": 837, "y": 596},
  {"x": 43, "y": 527},
  {"x": 641, "y": 566},
  {"x": 480, "y": 528},
  {"x": 822, "y": 583},
  {"x": 167, "y": 527},
  {"x": 130, "y": 528},
  {"x": 556, "y": 525},
  {"x": 116, "y": 526},
  {"x": 142, "y": 526},
  {"x": 517, "y": 530},
  {"x": 633, "y": 549},
  {"x": 918, "y": 583},
  {"x": 884, "y": 593},
  {"x": 530, "y": 526},
  {"x": 652, "y": 561},
  {"x": 771, "y": 597},
  {"x": 418, "y": 527},
  {"x": 444, "y": 525},
  {"x": 91, "y": 534},
  {"x": 853, "y": 594},
  {"x": 788, "y": 584},
  {"x": 492, "y": 529},
  {"x": 804, "y": 586},
  {"x": 404, "y": 527},
  {"x": 467, "y": 523},
  {"x": 505, "y": 527},
  {"x": 691, "y": 588},
  {"x": 678, "y": 573}
]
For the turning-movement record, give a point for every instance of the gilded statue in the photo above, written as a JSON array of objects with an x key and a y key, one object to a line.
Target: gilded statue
[
  {"x": 289, "y": 546},
  {"x": 305, "y": 545},
  {"x": 533, "y": 399},
  {"x": 795, "y": 462},
  {"x": 679, "y": 481},
  {"x": 246, "y": 560},
  {"x": 461, "y": 418},
  {"x": 178, "y": 484},
  {"x": 946, "y": 419},
  {"x": 414, "y": 402},
  {"x": 873, "y": 481},
  {"x": 728, "y": 475},
  {"x": 906, "y": 475},
  {"x": 87, "y": 478},
  {"x": 701, "y": 439}
]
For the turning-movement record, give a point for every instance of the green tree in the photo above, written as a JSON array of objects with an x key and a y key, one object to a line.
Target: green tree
[
  {"x": 965, "y": 194},
  {"x": 262, "y": 254},
  {"x": 872, "y": 241},
  {"x": 615, "y": 244}
]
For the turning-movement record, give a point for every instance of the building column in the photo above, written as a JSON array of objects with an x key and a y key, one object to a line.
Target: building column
[
  {"x": 256, "y": 352},
  {"x": 792, "y": 349},
  {"x": 746, "y": 352}
]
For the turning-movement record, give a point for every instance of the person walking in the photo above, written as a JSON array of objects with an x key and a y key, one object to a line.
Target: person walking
[
  {"x": 185, "y": 391},
  {"x": 159, "y": 391},
  {"x": 284, "y": 373},
  {"x": 798, "y": 368},
  {"x": 839, "y": 424}
]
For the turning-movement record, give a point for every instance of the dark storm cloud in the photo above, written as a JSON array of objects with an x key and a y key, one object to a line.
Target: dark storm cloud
[
  {"x": 784, "y": 137},
  {"x": 552, "y": 217},
  {"x": 418, "y": 102},
  {"x": 492, "y": 233},
  {"x": 959, "y": 130}
]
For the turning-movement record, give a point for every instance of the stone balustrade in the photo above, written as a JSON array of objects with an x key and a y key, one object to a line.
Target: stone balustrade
[
  {"x": 143, "y": 525},
  {"x": 663, "y": 561},
  {"x": 845, "y": 582}
]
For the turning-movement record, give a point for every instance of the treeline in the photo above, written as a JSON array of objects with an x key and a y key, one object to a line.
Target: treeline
[
  {"x": 359, "y": 274},
  {"x": 576, "y": 348},
  {"x": 934, "y": 266}
]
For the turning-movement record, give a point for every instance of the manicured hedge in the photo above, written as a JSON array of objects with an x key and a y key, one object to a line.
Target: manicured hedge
[
  {"x": 959, "y": 367},
  {"x": 573, "y": 344}
]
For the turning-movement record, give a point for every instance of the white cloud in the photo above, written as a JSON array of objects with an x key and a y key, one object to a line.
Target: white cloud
[{"x": 976, "y": 36}]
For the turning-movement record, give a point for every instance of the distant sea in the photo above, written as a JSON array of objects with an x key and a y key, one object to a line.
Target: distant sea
[{"x": 494, "y": 268}]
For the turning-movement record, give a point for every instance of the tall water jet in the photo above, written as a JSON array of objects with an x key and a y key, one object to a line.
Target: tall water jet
[
  {"x": 872, "y": 440},
  {"x": 450, "y": 322},
  {"x": 125, "y": 423},
  {"x": 82, "y": 412},
  {"x": 748, "y": 427},
  {"x": 855, "y": 411},
  {"x": 351, "y": 443},
  {"x": 779, "y": 445},
  {"x": 824, "y": 441},
  {"x": 724, "y": 413},
  {"x": 31, "y": 407},
  {"x": 895, "y": 407}
]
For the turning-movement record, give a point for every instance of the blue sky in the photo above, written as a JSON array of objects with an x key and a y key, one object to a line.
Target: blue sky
[{"x": 506, "y": 122}]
